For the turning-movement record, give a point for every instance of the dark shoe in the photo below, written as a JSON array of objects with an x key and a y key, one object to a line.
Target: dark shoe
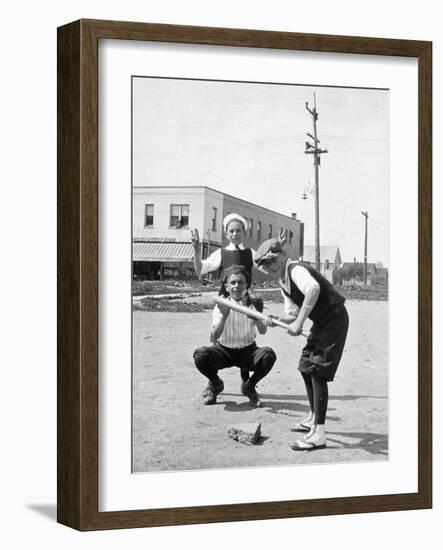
[
  {"x": 249, "y": 390},
  {"x": 211, "y": 391}
]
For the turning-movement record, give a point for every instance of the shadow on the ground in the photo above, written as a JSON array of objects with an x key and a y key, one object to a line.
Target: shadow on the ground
[
  {"x": 293, "y": 397},
  {"x": 274, "y": 407},
  {"x": 332, "y": 397},
  {"x": 282, "y": 403},
  {"x": 373, "y": 443},
  {"x": 241, "y": 405},
  {"x": 354, "y": 397}
]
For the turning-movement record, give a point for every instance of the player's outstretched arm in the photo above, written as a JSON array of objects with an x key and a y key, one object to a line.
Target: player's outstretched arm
[{"x": 195, "y": 240}]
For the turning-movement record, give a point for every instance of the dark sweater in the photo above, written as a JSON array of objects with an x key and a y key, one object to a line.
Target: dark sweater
[{"x": 328, "y": 302}]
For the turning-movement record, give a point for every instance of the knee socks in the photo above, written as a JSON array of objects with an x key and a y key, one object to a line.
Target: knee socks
[{"x": 317, "y": 391}]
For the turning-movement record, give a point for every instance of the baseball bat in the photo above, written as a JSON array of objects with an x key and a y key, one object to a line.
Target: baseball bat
[{"x": 253, "y": 314}]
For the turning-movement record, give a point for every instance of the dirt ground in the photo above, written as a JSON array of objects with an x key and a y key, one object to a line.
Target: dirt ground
[{"x": 173, "y": 430}]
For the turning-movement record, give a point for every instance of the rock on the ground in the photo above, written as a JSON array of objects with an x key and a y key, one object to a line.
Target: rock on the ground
[{"x": 247, "y": 433}]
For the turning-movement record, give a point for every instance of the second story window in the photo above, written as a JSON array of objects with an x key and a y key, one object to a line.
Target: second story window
[
  {"x": 291, "y": 236},
  {"x": 250, "y": 228},
  {"x": 270, "y": 231},
  {"x": 214, "y": 219},
  {"x": 179, "y": 215},
  {"x": 149, "y": 215}
]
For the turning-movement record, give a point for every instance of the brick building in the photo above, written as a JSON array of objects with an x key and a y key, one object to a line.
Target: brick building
[{"x": 163, "y": 217}]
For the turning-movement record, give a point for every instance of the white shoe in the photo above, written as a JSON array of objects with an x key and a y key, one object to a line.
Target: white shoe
[
  {"x": 304, "y": 425},
  {"x": 316, "y": 439},
  {"x": 310, "y": 433}
]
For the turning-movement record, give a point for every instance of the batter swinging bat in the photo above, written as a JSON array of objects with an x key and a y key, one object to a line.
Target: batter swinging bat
[{"x": 253, "y": 314}]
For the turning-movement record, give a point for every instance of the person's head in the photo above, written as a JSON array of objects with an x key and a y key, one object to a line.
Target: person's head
[
  {"x": 236, "y": 282},
  {"x": 270, "y": 257},
  {"x": 235, "y": 228}
]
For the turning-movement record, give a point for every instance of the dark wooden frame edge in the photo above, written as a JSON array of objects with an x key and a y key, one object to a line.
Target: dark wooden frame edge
[{"x": 77, "y": 249}]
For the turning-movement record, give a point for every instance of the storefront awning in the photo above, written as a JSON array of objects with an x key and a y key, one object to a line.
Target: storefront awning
[{"x": 162, "y": 252}]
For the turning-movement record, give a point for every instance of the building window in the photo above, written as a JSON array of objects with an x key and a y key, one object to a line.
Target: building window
[
  {"x": 258, "y": 231},
  {"x": 149, "y": 215},
  {"x": 179, "y": 215},
  {"x": 250, "y": 227},
  {"x": 214, "y": 219},
  {"x": 270, "y": 231},
  {"x": 291, "y": 236}
]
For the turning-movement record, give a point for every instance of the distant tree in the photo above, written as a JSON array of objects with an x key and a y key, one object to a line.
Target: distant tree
[{"x": 357, "y": 271}]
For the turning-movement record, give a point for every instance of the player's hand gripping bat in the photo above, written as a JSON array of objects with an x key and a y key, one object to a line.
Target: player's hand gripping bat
[{"x": 251, "y": 313}]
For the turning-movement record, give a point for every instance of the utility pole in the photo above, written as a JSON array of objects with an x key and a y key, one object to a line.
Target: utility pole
[
  {"x": 365, "y": 214},
  {"x": 314, "y": 149}
]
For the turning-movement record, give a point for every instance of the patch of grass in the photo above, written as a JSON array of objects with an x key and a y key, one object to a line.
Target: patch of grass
[
  {"x": 374, "y": 292},
  {"x": 358, "y": 293},
  {"x": 145, "y": 288},
  {"x": 272, "y": 293},
  {"x": 167, "y": 305},
  {"x": 364, "y": 293}
]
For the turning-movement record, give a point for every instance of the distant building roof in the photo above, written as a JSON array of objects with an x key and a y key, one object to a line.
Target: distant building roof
[
  {"x": 142, "y": 188},
  {"x": 371, "y": 267},
  {"x": 162, "y": 251},
  {"x": 327, "y": 252}
]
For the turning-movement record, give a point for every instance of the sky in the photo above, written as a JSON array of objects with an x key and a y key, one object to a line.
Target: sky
[{"x": 248, "y": 140}]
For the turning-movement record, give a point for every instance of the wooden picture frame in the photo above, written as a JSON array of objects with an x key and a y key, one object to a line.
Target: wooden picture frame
[{"x": 77, "y": 457}]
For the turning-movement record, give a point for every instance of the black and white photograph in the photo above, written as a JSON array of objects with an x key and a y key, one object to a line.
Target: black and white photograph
[{"x": 260, "y": 274}]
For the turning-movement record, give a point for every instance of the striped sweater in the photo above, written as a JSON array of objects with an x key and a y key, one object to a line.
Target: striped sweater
[{"x": 239, "y": 330}]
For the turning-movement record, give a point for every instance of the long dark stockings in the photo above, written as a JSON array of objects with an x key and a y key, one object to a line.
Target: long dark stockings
[{"x": 317, "y": 390}]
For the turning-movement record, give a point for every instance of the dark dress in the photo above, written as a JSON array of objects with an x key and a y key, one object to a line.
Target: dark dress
[
  {"x": 326, "y": 341},
  {"x": 244, "y": 258}
]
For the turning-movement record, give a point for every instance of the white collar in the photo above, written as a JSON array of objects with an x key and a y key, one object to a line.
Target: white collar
[{"x": 232, "y": 246}]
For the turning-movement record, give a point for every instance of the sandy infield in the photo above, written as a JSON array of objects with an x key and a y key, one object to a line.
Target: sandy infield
[{"x": 173, "y": 430}]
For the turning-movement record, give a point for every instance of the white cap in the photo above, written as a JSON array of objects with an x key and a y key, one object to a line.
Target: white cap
[{"x": 230, "y": 217}]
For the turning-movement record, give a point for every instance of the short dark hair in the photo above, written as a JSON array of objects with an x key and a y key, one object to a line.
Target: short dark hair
[{"x": 236, "y": 270}]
